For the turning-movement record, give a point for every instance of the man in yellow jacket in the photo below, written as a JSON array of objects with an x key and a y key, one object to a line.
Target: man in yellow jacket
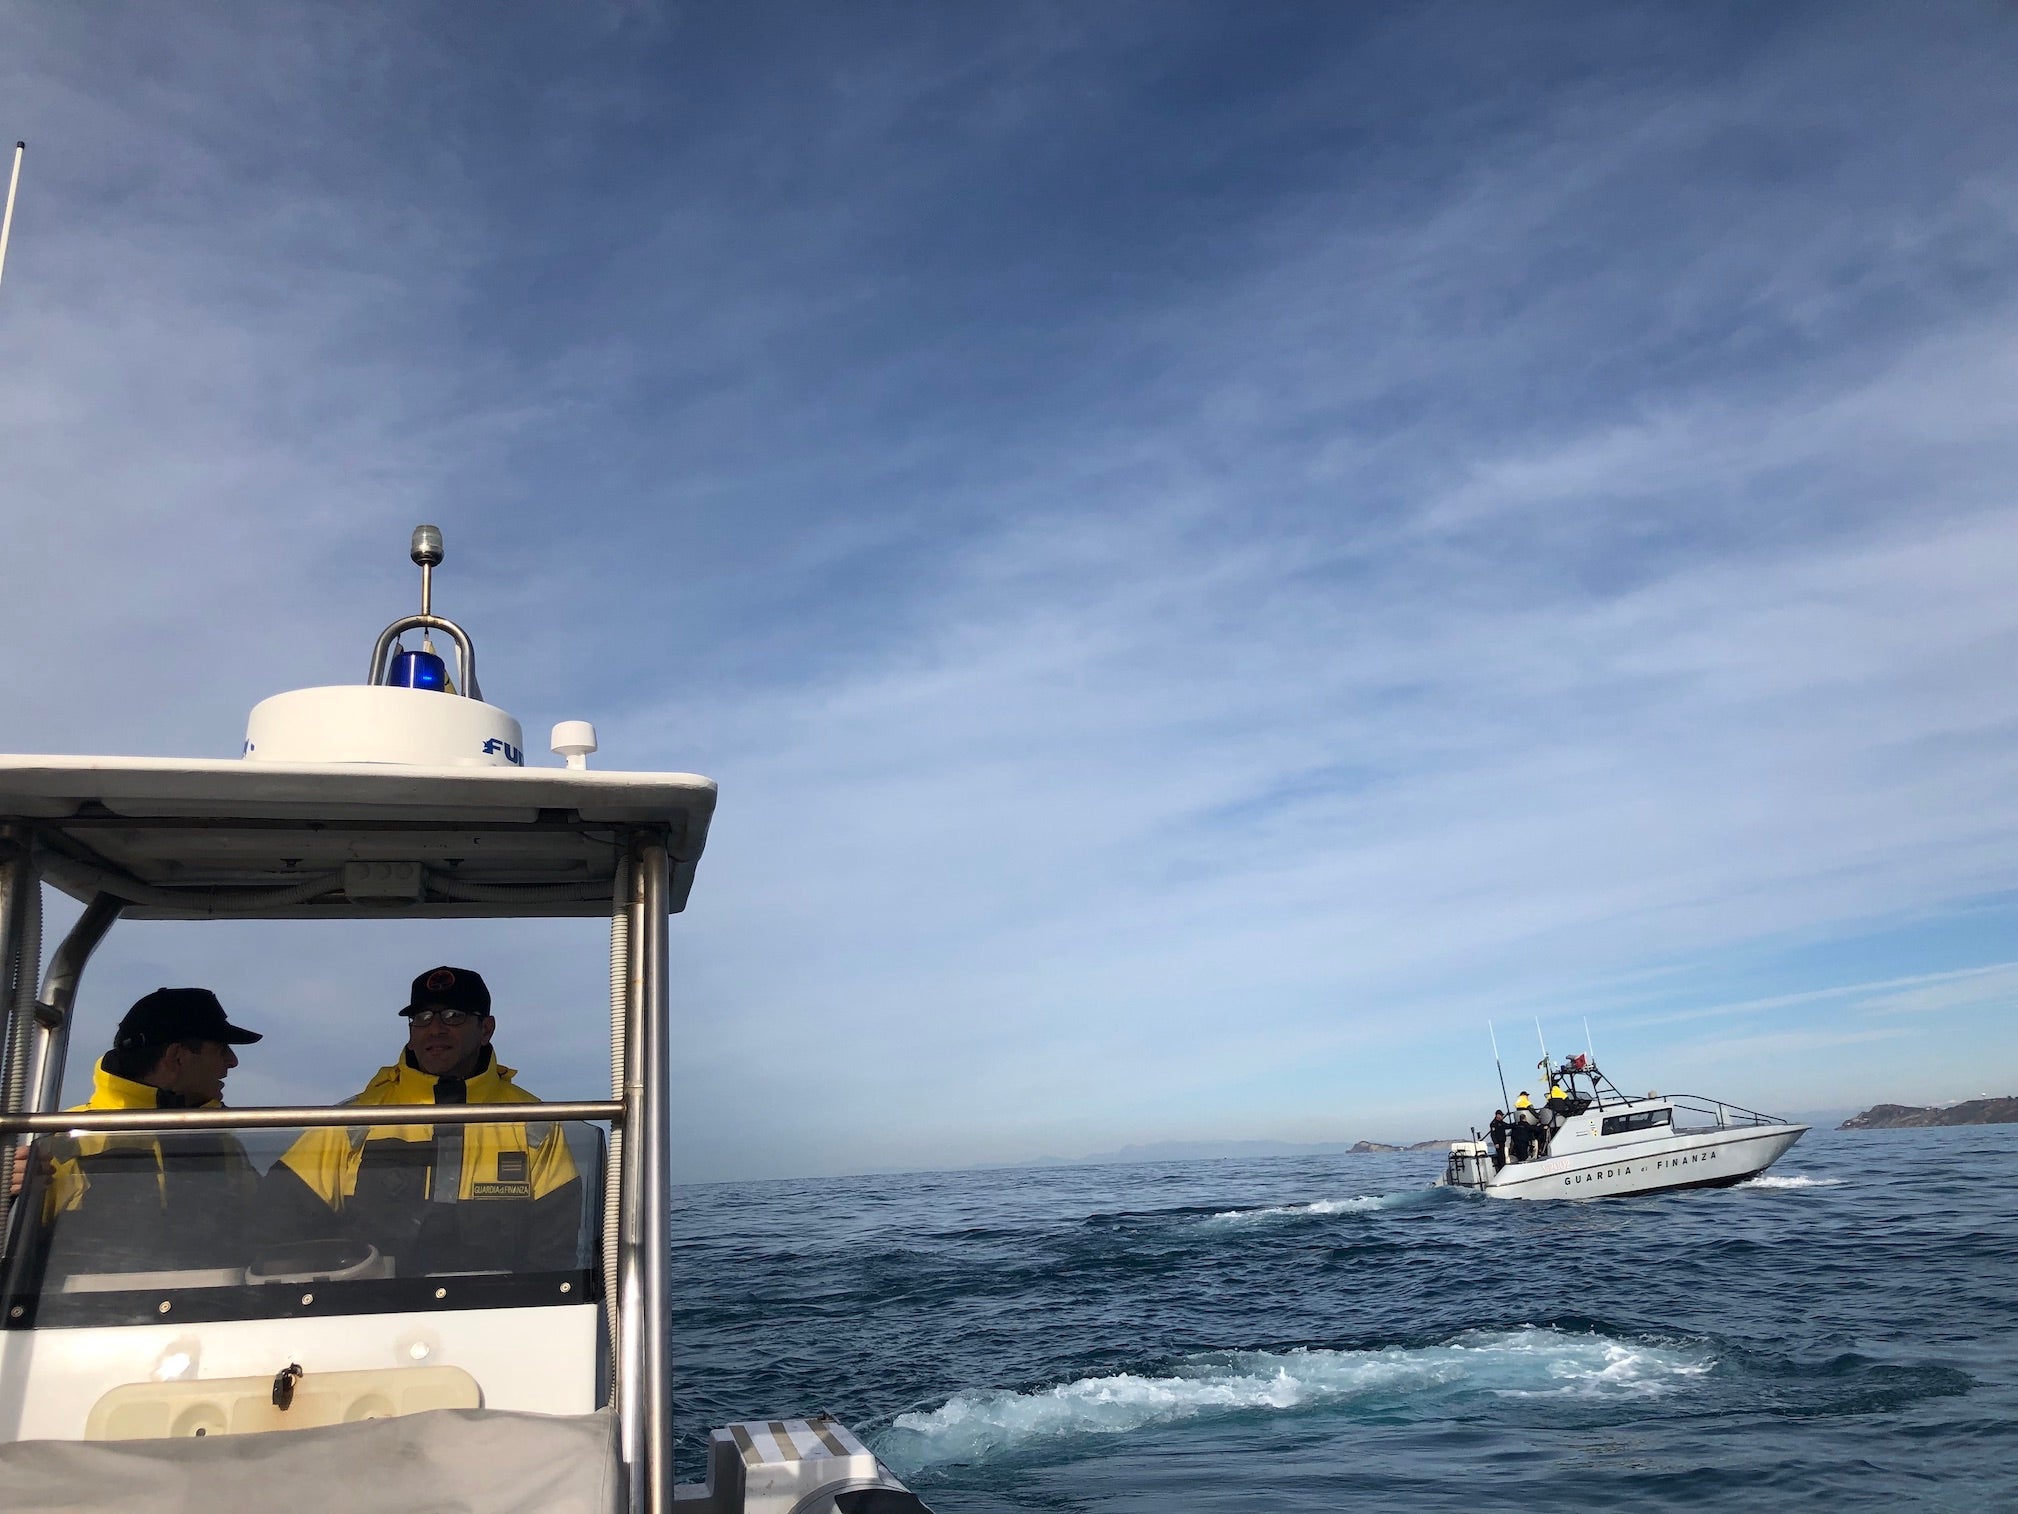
[
  {"x": 438, "y": 1198},
  {"x": 119, "y": 1201}
]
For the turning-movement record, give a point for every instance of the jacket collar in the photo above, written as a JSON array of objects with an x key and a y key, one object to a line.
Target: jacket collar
[
  {"x": 110, "y": 1091},
  {"x": 418, "y": 1087}
]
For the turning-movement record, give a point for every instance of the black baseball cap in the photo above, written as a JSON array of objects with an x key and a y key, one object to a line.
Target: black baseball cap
[
  {"x": 179, "y": 1014},
  {"x": 450, "y": 988}
]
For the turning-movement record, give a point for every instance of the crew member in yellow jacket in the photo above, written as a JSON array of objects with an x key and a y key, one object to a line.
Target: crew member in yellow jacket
[
  {"x": 117, "y": 1201},
  {"x": 438, "y": 1198}
]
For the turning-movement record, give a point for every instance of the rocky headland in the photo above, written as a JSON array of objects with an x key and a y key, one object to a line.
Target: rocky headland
[{"x": 1905, "y": 1116}]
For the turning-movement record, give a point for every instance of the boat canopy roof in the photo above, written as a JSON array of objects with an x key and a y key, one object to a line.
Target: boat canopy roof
[{"x": 188, "y": 840}]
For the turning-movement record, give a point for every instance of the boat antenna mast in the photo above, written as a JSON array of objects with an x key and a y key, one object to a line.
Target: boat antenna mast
[
  {"x": 1544, "y": 1064},
  {"x": 427, "y": 555},
  {"x": 7, "y": 219},
  {"x": 392, "y": 664},
  {"x": 1504, "y": 1101}
]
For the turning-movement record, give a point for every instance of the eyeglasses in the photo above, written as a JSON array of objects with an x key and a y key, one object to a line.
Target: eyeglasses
[{"x": 449, "y": 1017}]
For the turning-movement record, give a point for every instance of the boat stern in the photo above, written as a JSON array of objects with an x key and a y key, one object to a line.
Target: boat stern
[{"x": 1469, "y": 1165}]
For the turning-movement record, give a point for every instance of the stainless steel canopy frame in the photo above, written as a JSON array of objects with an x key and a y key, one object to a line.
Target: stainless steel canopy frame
[
  {"x": 644, "y": 1395},
  {"x": 20, "y": 897},
  {"x": 640, "y": 1168},
  {"x": 59, "y": 997}
]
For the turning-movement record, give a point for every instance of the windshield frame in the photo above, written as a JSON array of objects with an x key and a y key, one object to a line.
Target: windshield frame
[{"x": 198, "y": 1295}]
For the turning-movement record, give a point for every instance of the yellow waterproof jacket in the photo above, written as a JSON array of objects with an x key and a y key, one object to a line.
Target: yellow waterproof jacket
[
  {"x": 500, "y": 1161},
  {"x": 127, "y": 1199}
]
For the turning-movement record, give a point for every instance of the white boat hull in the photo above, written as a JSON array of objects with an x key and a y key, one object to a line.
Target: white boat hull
[{"x": 1681, "y": 1159}]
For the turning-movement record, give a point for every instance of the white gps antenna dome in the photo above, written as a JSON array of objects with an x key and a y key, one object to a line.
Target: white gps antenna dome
[{"x": 574, "y": 740}]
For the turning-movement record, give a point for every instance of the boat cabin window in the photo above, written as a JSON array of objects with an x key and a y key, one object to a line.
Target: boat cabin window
[
  {"x": 129, "y": 1227},
  {"x": 1639, "y": 1119}
]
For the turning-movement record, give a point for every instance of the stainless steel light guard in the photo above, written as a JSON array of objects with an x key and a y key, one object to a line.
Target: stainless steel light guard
[{"x": 465, "y": 649}]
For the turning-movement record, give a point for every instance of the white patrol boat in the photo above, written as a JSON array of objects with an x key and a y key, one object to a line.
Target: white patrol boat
[
  {"x": 326, "y": 1376},
  {"x": 1603, "y": 1143}
]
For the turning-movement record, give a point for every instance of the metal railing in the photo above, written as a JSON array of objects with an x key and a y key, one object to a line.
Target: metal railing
[
  {"x": 317, "y": 1116},
  {"x": 1727, "y": 1115}
]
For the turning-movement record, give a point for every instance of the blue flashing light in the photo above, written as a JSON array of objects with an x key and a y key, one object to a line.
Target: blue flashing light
[{"x": 418, "y": 670}]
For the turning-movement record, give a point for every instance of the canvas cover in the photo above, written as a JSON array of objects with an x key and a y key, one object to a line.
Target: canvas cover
[{"x": 447, "y": 1461}]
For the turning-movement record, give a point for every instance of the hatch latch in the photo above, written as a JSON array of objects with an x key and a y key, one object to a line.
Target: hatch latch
[{"x": 283, "y": 1386}]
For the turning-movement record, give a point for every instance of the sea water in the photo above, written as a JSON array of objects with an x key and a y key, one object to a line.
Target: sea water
[{"x": 1334, "y": 1334}]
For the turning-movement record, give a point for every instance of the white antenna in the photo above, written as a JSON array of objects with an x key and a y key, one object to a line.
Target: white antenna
[
  {"x": 1587, "y": 1041},
  {"x": 7, "y": 220},
  {"x": 1545, "y": 1045}
]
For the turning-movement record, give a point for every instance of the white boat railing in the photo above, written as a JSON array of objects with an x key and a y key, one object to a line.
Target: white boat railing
[{"x": 1727, "y": 1116}]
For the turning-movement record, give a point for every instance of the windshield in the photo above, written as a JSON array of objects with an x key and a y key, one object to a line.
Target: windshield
[{"x": 132, "y": 1227}]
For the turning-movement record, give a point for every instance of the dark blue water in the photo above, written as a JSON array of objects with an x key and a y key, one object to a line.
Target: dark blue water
[{"x": 1329, "y": 1334}]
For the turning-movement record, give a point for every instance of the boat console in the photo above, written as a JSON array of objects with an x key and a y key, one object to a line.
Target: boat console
[{"x": 149, "y": 1366}]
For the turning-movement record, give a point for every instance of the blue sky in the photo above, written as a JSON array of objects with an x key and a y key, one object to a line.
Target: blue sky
[{"x": 1212, "y": 549}]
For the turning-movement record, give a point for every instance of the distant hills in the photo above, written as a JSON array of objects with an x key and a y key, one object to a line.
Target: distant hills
[
  {"x": 1904, "y": 1116},
  {"x": 1198, "y": 1151}
]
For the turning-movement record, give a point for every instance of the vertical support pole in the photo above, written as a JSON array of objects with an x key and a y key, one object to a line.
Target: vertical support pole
[
  {"x": 22, "y": 954},
  {"x": 14, "y": 881},
  {"x": 656, "y": 1149},
  {"x": 20, "y": 962},
  {"x": 634, "y": 1299},
  {"x": 613, "y": 1171},
  {"x": 53, "y": 1013}
]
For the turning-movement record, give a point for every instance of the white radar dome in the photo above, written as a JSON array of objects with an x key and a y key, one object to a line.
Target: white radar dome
[{"x": 383, "y": 723}]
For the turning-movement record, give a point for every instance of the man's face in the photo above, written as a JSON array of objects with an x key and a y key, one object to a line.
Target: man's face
[
  {"x": 444, "y": 1050},
  {"x": 196, "y": 1074}
]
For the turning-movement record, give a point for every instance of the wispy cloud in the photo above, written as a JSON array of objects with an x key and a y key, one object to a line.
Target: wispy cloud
[
  {"x": 1967, "y": 988},
  {"x": 1211, "y": 552},
  {"x": 1983, "y": 988}
]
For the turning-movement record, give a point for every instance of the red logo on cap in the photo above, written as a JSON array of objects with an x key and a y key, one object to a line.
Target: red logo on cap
[{"x": 440, "y": 979}]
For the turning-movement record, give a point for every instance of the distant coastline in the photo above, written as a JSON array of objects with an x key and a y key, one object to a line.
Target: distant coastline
[
  {"x": 1210, "y": 1151},
  {"x": 1906, "y": 1116}
]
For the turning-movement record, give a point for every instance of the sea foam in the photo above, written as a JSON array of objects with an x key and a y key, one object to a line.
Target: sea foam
[
  {"x": 1365, "y": 1204},
  {"x": 1527, "y": 1362},
  {"x": 1768, "y": 1180}
]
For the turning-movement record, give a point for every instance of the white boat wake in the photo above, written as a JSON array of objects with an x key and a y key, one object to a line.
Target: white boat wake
[
  {"x": 1796, "y": 1180},
  {"x": 1364, "y": 1204},
  {"x": 1528, "y": 1362}
]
